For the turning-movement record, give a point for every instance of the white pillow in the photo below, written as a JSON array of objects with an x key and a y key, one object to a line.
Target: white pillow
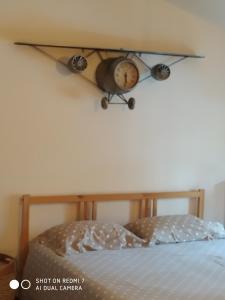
[
  {"x": 175, "y": 229},
  {"x": 83, "y": 236},
  {"x": 216, "y": 229}
]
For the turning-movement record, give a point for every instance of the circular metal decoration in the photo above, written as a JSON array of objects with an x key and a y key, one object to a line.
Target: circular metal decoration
[
  {"x": 131, "y": 103},
  {"x": 104, "y": 103},
  {"x": 117, "y": 75},
  {"x": 160, "y": 72},
  {"x": 77, "y": 63}
]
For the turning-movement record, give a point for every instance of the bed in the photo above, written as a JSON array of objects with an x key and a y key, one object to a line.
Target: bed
[{"x": 191, "y": 270}]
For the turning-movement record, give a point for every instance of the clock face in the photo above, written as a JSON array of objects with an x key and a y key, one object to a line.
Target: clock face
[{"x": 126, "y": 75}]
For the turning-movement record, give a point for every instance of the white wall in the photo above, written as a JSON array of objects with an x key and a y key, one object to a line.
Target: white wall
[{"x": 55, "y": 138}]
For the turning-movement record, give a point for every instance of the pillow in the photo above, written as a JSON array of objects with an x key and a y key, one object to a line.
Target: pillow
[
  {"x": 175, "y": 229},
  {"x": 216, "y": 229},
  {"x": 82, "y": 236}
]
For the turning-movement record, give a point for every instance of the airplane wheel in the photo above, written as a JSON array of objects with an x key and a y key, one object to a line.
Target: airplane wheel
[
  {"x": 104, "y": 103},
  {"x": 131, "y": 103}
]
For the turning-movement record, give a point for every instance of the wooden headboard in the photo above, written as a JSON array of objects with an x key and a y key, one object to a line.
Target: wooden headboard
[{"x": 87, "y": 207}]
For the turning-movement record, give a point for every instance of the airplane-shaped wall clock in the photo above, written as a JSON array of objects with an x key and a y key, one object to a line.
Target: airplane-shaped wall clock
[{"x": 120, "y": 74}]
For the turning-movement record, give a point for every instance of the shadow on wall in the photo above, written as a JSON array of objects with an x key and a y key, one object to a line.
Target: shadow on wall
[
  {"x": 219, "y": 201},
  {"x": 68, "y": 36},
  {"x": 215, "y": 202},
  {"x": 61, "y": 62},
  {"x": 206, "y": 9}
]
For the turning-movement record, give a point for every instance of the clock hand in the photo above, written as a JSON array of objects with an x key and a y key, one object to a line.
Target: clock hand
[{"x": 125, "y": 77}]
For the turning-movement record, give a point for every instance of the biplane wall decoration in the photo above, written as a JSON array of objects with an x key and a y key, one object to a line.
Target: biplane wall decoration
[{"x": 121, "y": 71}]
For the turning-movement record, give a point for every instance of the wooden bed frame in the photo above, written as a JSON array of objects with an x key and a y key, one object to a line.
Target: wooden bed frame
[{"x": 87, "y": 207}]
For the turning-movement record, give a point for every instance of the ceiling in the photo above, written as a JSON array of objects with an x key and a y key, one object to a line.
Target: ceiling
[{"x": 211, "y": 10}]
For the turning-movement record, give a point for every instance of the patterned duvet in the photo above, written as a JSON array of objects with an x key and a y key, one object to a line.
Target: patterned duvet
[{"x": 184, "y": 271}]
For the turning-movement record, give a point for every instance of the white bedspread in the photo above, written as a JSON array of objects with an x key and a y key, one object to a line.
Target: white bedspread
[{"x": 185, "y": 271}]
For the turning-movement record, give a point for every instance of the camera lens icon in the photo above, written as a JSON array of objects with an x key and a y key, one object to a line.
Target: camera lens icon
[{"x": 25, "y": 284}]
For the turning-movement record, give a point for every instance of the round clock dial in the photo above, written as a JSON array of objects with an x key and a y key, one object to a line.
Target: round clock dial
[
  {"x": 126, "y": 75},
  {"x": 117, "y": 75}
]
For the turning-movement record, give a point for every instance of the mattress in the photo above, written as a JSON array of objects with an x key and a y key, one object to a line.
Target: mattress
[{"x": 194, "y": 270}]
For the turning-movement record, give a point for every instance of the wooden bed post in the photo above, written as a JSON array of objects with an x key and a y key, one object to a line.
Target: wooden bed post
[
  {"x": 201, "y": 203},
  {"x": 154, "y": 207},
  {"x": 24, "y": 240}
]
